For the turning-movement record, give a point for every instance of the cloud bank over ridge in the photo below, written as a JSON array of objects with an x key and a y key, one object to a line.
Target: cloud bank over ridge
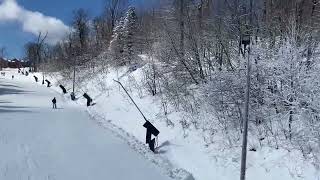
[{"x": 32, "y": 21}]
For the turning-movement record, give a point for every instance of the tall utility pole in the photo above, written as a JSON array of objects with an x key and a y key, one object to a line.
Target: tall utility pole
[
  {"x": 247, "y": 101},
  {"x": 74, "y": 74},
  {"x": 181, "y": 24},
  {"x": 74, "y": 77},
  {"x": 245, "y": 123}
]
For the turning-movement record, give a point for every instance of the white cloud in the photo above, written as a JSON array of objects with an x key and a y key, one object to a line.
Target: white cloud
[{"x": 33, "y": 22}]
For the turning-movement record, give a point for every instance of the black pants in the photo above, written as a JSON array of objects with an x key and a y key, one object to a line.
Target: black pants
[{"x": 54, "y": 106}]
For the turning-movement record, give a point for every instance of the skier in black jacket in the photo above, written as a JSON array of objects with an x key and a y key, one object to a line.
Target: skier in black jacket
[{"x": 54, "y": 103}]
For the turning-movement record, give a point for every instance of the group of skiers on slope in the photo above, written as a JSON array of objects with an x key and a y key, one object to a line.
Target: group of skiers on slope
[{"x": 89, "y": 102}]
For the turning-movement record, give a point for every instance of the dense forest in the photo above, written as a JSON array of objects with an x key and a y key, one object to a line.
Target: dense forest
[{"x": 197, "y": 63}]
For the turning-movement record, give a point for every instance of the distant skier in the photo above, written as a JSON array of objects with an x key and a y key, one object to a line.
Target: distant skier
[
  {"x": 12, "y": 76},
  {"x": 54, "y": 103}
]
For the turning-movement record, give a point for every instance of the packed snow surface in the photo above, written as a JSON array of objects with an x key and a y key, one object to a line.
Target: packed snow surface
[{"x": 40, "y": 143}]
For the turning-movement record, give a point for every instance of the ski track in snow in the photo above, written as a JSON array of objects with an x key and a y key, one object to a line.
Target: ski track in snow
[{"x": 39, "y": 143}]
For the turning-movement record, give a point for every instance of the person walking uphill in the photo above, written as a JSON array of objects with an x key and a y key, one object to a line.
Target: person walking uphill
[{"x": 54, "y": 103}]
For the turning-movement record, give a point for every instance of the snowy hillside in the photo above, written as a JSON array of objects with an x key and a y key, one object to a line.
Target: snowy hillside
[
  {"x": 187, "y": 148},
  {"x": 221, "y": 89},
  {"x": 38, "y": 142}
]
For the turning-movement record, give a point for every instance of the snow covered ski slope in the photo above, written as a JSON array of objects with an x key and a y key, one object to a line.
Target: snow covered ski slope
[{"x": 39, "y": 143}]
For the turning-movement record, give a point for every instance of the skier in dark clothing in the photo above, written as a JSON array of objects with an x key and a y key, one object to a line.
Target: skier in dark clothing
[{"x": 54, "y": 103}]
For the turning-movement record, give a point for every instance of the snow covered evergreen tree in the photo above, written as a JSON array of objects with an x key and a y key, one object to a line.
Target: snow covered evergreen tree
[
  {"x": 130, "y": 30},
  {"x": 117, "y": 43},
  {"x": 123, "y": 45}
]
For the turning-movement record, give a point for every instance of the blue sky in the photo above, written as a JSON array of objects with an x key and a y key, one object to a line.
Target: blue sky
[
  {"x": 14, "y": 33},
  {"x": 62, "y": 9}
]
